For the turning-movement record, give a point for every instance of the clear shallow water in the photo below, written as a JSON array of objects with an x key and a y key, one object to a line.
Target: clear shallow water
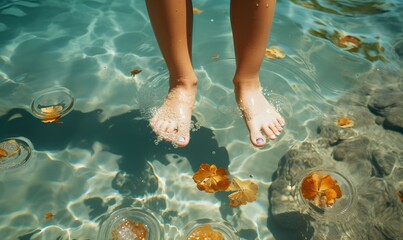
[{"x": 103, "y": 156}]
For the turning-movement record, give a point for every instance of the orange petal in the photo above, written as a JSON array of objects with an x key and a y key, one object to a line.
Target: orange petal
[
  {"x": 309, "y": 186},
  {"x": 337, "y": 189},
  {"x": 3, "y": 153},
  {"x": 330, "y": 194},
  {"x": 326, "y": 182}
]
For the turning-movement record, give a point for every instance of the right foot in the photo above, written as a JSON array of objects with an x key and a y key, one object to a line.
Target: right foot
[{"x": 172, "y": 120}]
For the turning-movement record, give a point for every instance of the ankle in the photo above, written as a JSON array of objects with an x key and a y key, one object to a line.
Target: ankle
[
  {"x": 246, "y": 83},
  {"x": 185, "y": 82}
]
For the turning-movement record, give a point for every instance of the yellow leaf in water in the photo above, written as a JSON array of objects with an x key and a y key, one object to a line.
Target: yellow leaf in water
[
  {"x": 274, "y": 52},
  {"x": 196, "y": 11},
  {"x": 244, "y": 191},
  {"x": 210, "y": 179}
]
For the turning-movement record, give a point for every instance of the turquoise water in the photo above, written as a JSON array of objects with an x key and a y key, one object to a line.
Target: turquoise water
[{"x": 105, "y": 156}]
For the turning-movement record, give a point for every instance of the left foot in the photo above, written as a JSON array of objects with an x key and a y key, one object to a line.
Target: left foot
[{"x": 259, "y": 115}]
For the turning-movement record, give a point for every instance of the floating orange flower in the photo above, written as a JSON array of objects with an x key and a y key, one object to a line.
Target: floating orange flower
[
  {"x": 210, "y": 179},
  {"x": 244, "y": 191},
  {"x": 345, "y": 122},
  {"x": 321, "y": 189},
  {"x": 134, "y": 72},
  {"x": 52, "y": 113},
  {"x": 197, "y": 11},
  {"x": 137, "y": 229},
  {"x": 205, "y": 232},
  {"x": 349, "y": 41},
  {"x": 274, "y": 53},
  {"x": 49, "y": 216}
]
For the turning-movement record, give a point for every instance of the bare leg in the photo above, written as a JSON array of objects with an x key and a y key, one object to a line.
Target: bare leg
[
  {"x": 172, "y": 24},
  {"x": 251, "y": 22}
]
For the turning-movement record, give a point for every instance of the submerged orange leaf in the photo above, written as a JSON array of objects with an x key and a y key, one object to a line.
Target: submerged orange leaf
[
  {"x": 52, "y": 113},
  {"x": 349, "y": 41},
  {"x": 134, "y": 72},
  {"x": 210, "y": 179},
  {"x": 323, "y": 190},
  {"x": 52, "y": 110},
  {"x": 49, "y": 216},
  {"x": 196, "y": 11},
  {"x": 244, "y": 191},
  {"x": 274, "y": 52},
  {"x": 3, "y": 153},
  {"x": 309, "y": 187},
  {"x": 205, "y": 232},
  {"x": 345, "y": 122}
]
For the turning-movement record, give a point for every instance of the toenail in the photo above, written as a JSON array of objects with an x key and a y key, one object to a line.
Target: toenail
[
  {"x": 181, "y": 139},
  {"x": 277, "y": 133},
  {"x": 259, "y": 140},
  {"x": 273, "y": 136}
]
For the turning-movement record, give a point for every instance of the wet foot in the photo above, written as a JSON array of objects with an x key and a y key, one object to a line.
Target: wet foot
[
  {"x": 261, "y": 118},
  {"x": 172, "y": 120}
]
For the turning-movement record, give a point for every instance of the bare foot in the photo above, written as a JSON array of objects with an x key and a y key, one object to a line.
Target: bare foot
[
  {"x": 259, "y": 115},
  {"x": 172, "y": 120}
]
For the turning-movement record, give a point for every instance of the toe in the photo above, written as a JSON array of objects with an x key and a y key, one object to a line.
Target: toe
[
  {"x": 281, "y": 121},
  {"x": 274, "y": 129},
  {"x": 269, "y": 133},
  {"x": 257, "y": 138},
  {"x": 182, "y": 141}
]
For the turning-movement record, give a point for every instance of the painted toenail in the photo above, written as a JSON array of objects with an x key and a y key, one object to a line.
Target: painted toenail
[
  {"x": 181, "y": 139},
  {"x": 259, "y": 140}
]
